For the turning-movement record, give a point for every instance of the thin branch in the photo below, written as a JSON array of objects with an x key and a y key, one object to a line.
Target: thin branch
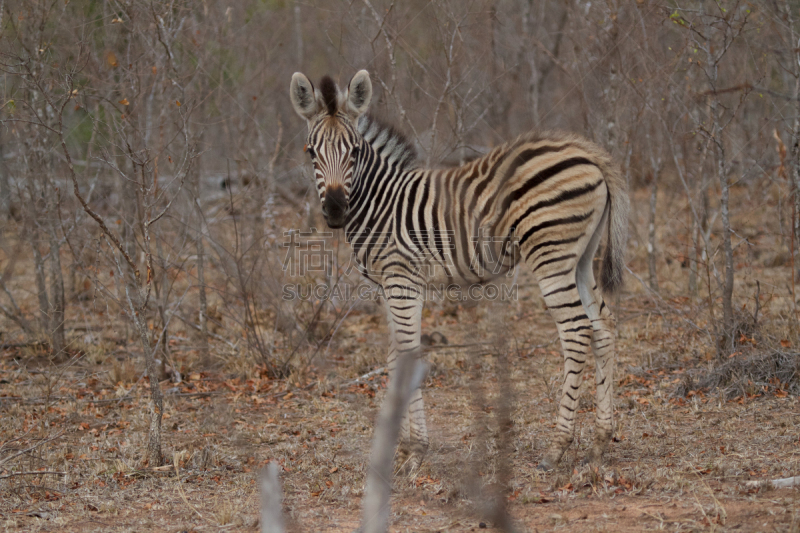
[
  {"x": 40, "y": 473},
  {"x": 76, "y": 190},
  {"x": 31, "y": 448}
]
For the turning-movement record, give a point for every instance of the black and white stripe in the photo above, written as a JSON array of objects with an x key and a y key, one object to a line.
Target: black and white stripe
[{"x": 546, "y": 200}]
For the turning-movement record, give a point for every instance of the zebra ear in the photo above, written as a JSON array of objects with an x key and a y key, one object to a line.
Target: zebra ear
[
  {"x": 359, "y": 93},
  {"x": 302, "y": 95}
]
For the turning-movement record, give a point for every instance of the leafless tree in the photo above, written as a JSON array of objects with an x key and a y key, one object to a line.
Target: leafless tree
[{"x": 148, "y": 153}]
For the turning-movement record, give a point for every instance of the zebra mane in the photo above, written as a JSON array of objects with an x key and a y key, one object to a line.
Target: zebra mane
[
  {"x": 388, "y": 142},
  {"x": 330, "y": 94}
]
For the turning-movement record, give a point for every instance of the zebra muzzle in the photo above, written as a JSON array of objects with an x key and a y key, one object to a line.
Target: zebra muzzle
[{"x": 334, "y": 208}]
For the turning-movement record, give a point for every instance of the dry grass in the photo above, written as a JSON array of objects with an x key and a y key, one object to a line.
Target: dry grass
[
  {"x": 678, "y": 464},
  {"x": 680, "y": 460},
  {"x": 774, "y": 371}
]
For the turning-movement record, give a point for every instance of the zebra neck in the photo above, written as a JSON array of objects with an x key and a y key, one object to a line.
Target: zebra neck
[
  {"x": 377, "y": 188},
  {"x": 387, "y": 142},
  {"x": 386, "y": 161},
  {"x": 370, "y": 191}
]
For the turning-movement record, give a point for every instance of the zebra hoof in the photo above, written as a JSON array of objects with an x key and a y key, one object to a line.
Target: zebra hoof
[
  {"x": 408, "y": 458},
  {"x": 408, "y": 464},
  {"x": 551, "y": 458},
  {"x": 598, "y": 450},
  {"x": 594, "y": 457}
]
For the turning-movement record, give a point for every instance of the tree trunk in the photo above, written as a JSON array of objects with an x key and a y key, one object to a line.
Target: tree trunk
[
  {"x": 656, "y": 164},
  {"x": 57, "y": 336},
  {"x": 41, "y": 286},
  {"x": 135, "y": 298},
  {"x": 205, "y": 358},
  {"x": 5, "y": 187},
  {"x": 162, "y": 291},
  {"x": 135, "y": 293},
  {"x": 795, "y": 142},
  {"x": 727, "y": 291},
  {"x": 651, "y": 238},
  {"x": 727, "y": 332}
]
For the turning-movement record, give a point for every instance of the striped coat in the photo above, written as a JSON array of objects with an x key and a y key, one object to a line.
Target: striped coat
[{"x": 546, "y": 200}]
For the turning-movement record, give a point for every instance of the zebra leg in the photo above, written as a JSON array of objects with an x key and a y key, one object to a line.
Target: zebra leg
[
  {"x": 575, "y": 331},
  {"x": 418, "y": 431},
  {"x": 404, "y": 315},
  {"x": 405, "y": 445},
  {"x": 603, "y": 344}
]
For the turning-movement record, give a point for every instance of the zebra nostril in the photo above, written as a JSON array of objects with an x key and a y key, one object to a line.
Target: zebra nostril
[{"x": 334, "y": 207}]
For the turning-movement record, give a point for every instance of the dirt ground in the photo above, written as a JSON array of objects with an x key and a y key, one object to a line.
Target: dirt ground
[
  {"x": 675, "y": 464},
  {"x": 72, "y": 432}
]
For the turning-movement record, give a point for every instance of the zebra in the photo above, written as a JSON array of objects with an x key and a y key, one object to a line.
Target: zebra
[{"x": 550, "y": 197}]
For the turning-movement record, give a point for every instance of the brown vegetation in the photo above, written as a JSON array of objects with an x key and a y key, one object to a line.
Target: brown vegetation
[{"x": 150, "y": 363}]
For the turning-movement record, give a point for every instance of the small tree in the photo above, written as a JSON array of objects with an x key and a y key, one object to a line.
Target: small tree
[{"x": 73, "y": 78}]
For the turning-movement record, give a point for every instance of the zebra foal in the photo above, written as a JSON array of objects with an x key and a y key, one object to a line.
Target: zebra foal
[{"x": 543, "y": 200}]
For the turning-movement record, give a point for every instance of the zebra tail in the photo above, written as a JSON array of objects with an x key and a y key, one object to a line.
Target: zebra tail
[{"x": 619, "y": 206}]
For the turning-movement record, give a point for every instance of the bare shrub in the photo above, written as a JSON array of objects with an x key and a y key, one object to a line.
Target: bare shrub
[
  {"x": 771, "y": 371},
  {"x": 170, "y": 120}
]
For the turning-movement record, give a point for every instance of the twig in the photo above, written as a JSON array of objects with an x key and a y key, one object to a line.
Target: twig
[
  {"x": 42, "y": 399},
  {"x": 22, "y": 345},
  {"x": 393, "y": 63},
  {"x": 655, "y": 297},
  {"x": 89, "y": 211},
  {"x": 271, "y": 499},
  {"x": 782, "y": 483},
  {"x": 407, "y": 377},
  {"x": 180, "y": 488},
  {"x": 365, "y": 377},
  {"x": 196, "y": 327},
  {"x": 41, "y": 473},
  {"x": 551, "y": 56},
  {"x": 722, "y": 514},
  {"x": 30, "y": 448}
]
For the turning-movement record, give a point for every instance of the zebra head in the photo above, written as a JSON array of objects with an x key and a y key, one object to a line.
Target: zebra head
[{"x": 333, "y": 139}]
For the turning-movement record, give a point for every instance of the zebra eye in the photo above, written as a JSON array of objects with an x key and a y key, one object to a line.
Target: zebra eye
[
  {"x": 310, "y": 151},
  {"x": 355, "y": 151}
]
